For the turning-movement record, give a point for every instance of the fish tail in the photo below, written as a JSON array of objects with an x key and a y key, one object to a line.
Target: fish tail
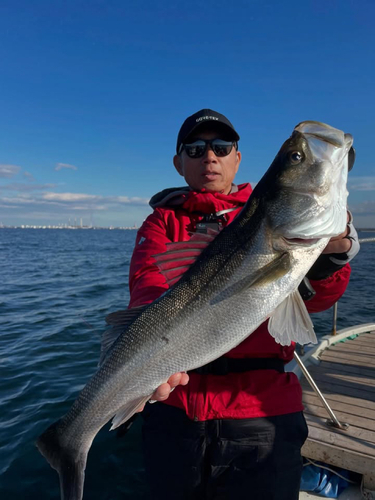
[{"x": 69, "y": 463}]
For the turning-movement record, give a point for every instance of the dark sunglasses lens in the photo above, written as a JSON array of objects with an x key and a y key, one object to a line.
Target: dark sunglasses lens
[
  {"x": 221, "y": 148},
  {"x": 196, "y": 149}
]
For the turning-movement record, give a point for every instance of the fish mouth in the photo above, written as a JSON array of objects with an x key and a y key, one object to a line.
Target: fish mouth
[
  {"x": 301, "y": 241},
  {"x": 325, "y": 133}
]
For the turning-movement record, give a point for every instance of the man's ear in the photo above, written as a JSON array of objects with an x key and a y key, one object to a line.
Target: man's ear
[
  {"x": 238, "y": 160},
  {"x": 178, "y": 164}
]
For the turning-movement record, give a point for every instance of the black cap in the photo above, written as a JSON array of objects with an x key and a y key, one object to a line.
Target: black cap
[{"x": 203, "y": 118}]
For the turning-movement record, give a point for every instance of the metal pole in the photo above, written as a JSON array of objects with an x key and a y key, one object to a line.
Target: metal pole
[
  {"x": 366, "y": 240},
  {"x": 334, "y": 422},
  {"x": 334, "y": 321}
]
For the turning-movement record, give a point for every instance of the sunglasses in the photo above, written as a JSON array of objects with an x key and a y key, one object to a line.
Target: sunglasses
[{"x": 198, "y": 148}]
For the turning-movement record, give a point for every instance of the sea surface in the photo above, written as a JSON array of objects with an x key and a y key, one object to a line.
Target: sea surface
[{"x": 56, "y": 288}]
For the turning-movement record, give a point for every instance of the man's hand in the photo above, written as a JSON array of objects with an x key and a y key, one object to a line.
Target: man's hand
[
  {"x": 340, "y": 243},
  {"x": 163, "y": 391}
]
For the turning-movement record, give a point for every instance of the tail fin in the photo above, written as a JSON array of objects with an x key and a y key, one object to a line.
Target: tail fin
[{"x": 69, "y": 463}]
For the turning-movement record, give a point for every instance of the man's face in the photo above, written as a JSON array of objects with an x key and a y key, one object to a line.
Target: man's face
[{"x": 210, "y": 171}]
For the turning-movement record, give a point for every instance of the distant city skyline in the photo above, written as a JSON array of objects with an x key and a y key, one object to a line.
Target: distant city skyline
[
  {"x": 66, "y": 225},
  {"x": 62, "y": 226},
  {"x": 93, "y": 95}
]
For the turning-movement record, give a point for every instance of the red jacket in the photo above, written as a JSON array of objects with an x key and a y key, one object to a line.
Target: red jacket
[{"x": 257, "y": 393}]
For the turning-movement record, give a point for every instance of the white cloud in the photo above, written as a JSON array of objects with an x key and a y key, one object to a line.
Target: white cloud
[
  {"x": 18, "y": 200},
  {"x": 29, "y": 176},
  {"x": 70, "y": 197},
  {"x": 24, "y": 207},
  {"x": 59, "y": 166},
  {"x": 84, "y": 198},
  {"x": 18, "y": 186},
  {"x": 361, "y": 183},
  {"x": 8, "y": 171},
  {"x": 125, "y": 199},
  {"x": 364, "y": 208}
]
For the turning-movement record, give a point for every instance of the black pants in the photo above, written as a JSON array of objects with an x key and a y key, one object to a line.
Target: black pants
[{"x": 253, "y": 459}]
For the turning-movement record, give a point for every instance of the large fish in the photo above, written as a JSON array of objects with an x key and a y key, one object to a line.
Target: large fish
[{"x": 247, "y": 273}]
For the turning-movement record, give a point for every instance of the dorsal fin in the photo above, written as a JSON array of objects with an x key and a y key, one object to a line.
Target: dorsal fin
[
  {"x": 123, "y": 317},
  {"x": 180, "y": 255},
  {"x": 118, "y": 322}
]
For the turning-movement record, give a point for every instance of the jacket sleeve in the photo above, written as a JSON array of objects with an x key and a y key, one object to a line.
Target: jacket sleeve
[
  {"x": 328, "y": 290},
  {"x": 146, "y": 283}
]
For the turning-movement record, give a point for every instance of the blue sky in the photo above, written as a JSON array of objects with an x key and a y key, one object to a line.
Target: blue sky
[{"x": 93, "y": 93}]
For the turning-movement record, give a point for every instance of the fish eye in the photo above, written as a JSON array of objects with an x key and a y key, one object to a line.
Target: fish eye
[{"x": 295, "y": 157}]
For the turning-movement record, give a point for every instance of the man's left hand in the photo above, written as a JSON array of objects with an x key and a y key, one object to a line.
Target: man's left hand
[{"x": 340, "y": 243}]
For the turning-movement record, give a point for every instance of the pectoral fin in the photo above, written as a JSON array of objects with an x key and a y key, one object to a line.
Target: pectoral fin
[
  {"x": 272, "y": 271},
  {"x": 267, "y": 274},
  {"x": 291, "y": 322}
]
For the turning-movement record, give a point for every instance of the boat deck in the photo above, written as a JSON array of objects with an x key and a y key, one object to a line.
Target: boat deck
[{"x": 345, "y": 374}]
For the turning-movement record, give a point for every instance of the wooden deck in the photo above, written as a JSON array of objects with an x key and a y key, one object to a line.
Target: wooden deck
[{"x": 346, "y": 377}]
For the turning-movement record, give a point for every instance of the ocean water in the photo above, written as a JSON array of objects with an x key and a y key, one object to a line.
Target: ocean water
[{"x": 56, "y": 288}]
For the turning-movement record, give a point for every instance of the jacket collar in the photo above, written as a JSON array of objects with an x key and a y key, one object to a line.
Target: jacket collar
[{"x": 190, "y": 200}]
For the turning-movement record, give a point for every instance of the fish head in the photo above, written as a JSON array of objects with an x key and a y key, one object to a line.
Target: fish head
[{"x": 307, "y": 197}]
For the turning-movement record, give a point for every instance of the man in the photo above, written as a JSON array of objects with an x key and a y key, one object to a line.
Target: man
[{"x": 236, "y": 429}]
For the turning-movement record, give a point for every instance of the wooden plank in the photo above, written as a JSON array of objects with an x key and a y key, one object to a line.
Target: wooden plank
[
  {"x": 354, "y": 348},
  {"x": 332, "y": 398},
  {"x": 361, "y": 421},
  {"x": 369, "y": 480},
  {"x": 353, "y": 461},
  {"x": 364, "y": 341},
  {"x": 339, "y": 406},
  {"x": 343, "y": 390},
  {"x": 342, "y": 386},
  {"x": 326, "y": 387},
  {"x": 345, "y": 368},
  {"x": 369, "y": 335},
  {"x": 355, "y": 438},
  {"x": 340, "y": 378},
  {"x": 363, "y": 360},
  {"x": 330, "y": 356}
]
